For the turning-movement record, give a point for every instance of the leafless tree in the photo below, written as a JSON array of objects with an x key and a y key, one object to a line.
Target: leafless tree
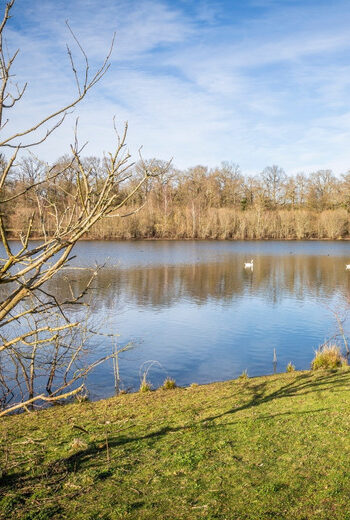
[
  {"x": 32, "y": 318},
  {"x": 322, "y": 190},
  {"x": 273, "y": 178}
]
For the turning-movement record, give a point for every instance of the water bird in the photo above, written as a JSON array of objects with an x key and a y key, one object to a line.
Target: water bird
[{"x": 249, "y": 264}]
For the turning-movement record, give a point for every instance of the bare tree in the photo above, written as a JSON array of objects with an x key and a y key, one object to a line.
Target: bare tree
[
  {"x": 273, "y": 178},
  {"x": 231, "y": 183},
  {"x": 28, "y": 311},
  {"x": 322, "y": 193}
]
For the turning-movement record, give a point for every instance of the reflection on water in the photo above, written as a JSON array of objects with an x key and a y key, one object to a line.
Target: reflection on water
[
  {"x": 192, "y": 306},
  {"x": 272, "y": 279}
]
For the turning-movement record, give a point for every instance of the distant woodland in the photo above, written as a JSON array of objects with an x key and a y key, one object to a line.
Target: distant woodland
[{"x": 198, "y": 203}]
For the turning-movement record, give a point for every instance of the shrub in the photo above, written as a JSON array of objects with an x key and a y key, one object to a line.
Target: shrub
[
  {"x": 169, "y": 384},
  {"x": 290, "y": 367},
  {"x": 328, "y": 356}
]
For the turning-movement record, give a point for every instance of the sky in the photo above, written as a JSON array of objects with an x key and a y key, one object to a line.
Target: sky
[{"x": 255, "y": 82}]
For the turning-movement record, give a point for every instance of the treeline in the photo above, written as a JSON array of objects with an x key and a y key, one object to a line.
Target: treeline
[{"x": 218, "y": 203}]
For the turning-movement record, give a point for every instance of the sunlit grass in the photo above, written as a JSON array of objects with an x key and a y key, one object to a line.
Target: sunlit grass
[{"x": 274, "y": 447}]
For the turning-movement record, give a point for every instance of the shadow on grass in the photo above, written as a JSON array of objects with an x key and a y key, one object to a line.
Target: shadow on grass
[{"x": 301, "y": 385}]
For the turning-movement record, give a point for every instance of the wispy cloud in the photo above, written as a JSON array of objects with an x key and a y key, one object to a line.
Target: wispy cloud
[{"x": 201, "y": 81}]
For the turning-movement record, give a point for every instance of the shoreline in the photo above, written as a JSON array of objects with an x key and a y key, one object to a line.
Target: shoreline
[{"x": 345, "y": 239}]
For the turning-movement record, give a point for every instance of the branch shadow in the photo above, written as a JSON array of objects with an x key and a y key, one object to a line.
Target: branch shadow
[{"x": 301, "y": 385}]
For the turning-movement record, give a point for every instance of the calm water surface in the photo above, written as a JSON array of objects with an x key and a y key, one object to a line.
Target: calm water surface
[{"x": 193, "y": 309}]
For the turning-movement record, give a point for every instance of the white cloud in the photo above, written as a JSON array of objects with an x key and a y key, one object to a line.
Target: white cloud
[{"x": 273, "y": 87}]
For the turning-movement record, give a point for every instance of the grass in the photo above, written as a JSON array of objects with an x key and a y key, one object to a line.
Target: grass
[
  {"x": 244, "y": 376},
  {"x": 277, "y": 447},
  {"x": 328, "y": 356},
  {"x": 169, "y": 384},
  {"x": 145, "y": 386},
  {"x": 290, "y": 367}
]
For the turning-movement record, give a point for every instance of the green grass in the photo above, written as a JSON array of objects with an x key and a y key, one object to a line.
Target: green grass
[{"x": 274, "y": 447}]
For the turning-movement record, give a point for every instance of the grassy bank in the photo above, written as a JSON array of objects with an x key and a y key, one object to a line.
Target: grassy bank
[{"x": 269, "y": 447}]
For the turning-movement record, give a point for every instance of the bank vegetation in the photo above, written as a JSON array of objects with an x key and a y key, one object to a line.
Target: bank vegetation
[{"x": 198, "y": 203}]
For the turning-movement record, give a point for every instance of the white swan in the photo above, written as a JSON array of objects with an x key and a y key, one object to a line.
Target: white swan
[{"x": 251, "y": 264}]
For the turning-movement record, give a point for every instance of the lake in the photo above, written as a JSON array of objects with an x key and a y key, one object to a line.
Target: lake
[{"x": 196, "y": 314}]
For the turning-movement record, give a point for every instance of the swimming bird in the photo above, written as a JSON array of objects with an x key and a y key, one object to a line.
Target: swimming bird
[{"x": 251, "y": 264}]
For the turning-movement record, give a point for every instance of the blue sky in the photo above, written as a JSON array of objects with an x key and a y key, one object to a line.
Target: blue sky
[{"x": 256, "y": 82}]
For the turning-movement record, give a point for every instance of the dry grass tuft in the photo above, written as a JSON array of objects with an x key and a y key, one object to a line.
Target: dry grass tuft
[
  {"x": 78, "y": 444},
  {"x": 145, "y": 386},
  {"x": 169, "y": 384},
  {"x": 244, "y": 376},
  {"x": 328, "y": 356},
  {"x": 290, "y": 367}
]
